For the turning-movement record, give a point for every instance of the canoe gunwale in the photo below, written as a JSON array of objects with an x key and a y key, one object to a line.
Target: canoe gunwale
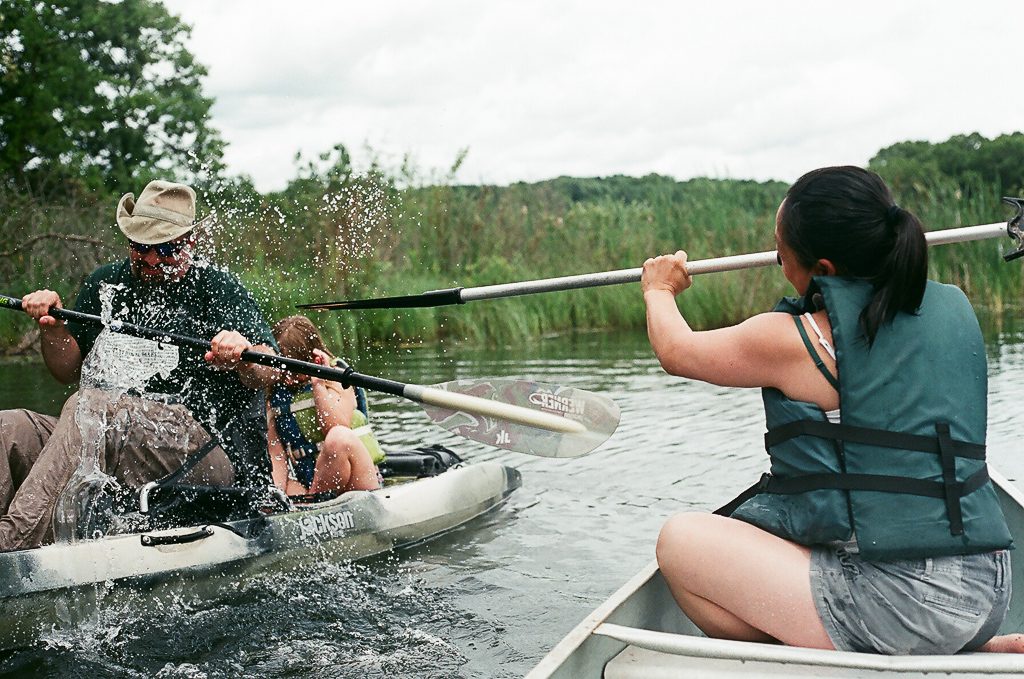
[{"x": 744, "y": 651}]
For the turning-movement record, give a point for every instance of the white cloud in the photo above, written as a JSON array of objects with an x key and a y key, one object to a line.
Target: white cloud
[{"x": 538, "y": 89}]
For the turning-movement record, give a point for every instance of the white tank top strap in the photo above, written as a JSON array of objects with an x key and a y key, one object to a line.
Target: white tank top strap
[{"x": 821, "y": 338}]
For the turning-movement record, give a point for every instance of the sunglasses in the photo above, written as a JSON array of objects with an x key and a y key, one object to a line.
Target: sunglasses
[{"x": 162, "y": 249}]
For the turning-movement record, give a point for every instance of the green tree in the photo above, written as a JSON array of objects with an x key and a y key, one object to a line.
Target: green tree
[
  {"x": 969, "y": 161},
  {"x": 102, "y": 92}
]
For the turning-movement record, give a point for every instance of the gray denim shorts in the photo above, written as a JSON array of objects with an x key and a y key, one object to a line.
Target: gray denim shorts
[{"x": 938, "y": 605}]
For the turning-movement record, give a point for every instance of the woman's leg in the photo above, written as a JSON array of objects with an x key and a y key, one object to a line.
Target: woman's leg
[
  {"x": 344, "y": 464},
  {"x": 736, "y": 581}
]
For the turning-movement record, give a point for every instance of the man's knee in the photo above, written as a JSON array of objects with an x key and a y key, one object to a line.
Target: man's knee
[
  {"x": 20, "y": 419},
  {"x": 23, "y": 433},
  {"x": 215, "y": 469},
  {"x": 70, "y": 406},
  {"x": 12, "y": 422}
]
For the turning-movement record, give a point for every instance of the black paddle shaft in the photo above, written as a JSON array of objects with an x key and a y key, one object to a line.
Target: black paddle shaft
[{"x": 346, "y": 376}]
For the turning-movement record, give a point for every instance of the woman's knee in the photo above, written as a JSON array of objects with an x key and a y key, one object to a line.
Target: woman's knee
[
  {"x": 339, "y": 436},
  {"x": 680, "y": 534},
  {"x": 344, "y": 443}
]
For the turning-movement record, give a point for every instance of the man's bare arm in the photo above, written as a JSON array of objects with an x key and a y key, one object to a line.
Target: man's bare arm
[{"x": 60, "y": 349}]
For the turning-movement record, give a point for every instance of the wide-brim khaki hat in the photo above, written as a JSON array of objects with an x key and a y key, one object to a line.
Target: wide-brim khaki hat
[{"x": 163, "y": 212}]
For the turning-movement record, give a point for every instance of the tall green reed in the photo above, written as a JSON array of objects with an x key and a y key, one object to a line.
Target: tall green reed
[{"x": 339, "y": 234}]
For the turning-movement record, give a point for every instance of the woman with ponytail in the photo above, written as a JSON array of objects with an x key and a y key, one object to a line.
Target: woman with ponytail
[{"x": 877, "y": 528}]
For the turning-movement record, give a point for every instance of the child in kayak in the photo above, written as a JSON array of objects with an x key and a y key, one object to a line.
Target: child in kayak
[
  {"x": 878, "y": 529},
  {"x": 323, "y": 447}
]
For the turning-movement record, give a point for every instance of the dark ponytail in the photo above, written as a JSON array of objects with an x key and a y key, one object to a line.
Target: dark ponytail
[{"x": 847, "y": 216}]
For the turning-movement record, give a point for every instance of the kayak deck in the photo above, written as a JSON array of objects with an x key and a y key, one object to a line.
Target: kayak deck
[
  {"x": 641, "y": 632},
  {"x": 356, "y": 525}
]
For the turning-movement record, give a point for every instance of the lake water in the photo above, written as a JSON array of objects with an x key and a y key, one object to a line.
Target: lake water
[{"x": 487, "y": 600}]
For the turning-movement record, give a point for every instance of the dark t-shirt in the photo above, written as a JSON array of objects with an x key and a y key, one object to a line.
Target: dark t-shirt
[{"x": 205, "y": 301}]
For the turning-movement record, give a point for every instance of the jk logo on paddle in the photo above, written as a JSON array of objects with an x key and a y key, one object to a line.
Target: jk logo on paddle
[{"x": 503, "y": 438}]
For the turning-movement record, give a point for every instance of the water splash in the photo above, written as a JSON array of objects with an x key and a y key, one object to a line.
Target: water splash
[{"x": 117, "y": 363}]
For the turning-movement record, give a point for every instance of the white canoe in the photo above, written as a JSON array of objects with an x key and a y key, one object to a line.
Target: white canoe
[
  {"x": 39, "y": 586},
  {"x": 640, "y": 633}
]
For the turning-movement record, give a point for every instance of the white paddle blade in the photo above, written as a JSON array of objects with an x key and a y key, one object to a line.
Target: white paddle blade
[{"x": 528, "y": 417}]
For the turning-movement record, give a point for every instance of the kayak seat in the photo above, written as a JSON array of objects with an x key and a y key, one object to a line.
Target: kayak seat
[
  {"x": 173, "y": 505},
  {"x": 115, "y": 510},
  {"x": 418, "y": 462},
  {"x": 399, "y": 466}
]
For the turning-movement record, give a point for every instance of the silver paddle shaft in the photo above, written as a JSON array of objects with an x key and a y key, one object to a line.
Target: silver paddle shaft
[{"x": 700, "y": 266}]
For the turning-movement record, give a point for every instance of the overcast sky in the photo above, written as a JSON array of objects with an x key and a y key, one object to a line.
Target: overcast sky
[{"x": 722, "y": 88}]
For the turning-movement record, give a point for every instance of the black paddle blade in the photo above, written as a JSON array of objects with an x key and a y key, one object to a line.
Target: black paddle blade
[{"x": 427, "y": 299}]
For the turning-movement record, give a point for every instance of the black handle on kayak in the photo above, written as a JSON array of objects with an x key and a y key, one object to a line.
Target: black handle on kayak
[
  {"x": 176, "y": 538},
  {"x": 347, "y": 376}
]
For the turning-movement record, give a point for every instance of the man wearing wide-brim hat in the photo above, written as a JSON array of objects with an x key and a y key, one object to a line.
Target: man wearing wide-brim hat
[{"x": 153, "y": 404}]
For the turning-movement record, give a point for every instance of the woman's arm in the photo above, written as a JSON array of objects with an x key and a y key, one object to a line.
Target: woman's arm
[{"x": 755, "y": 353}]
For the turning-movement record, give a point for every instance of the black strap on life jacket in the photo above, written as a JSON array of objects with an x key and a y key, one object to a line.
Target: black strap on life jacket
[
  {"x": 872, "y": 437},
  {"x": 949, "y": 489},
  {"x": 950, "y": 492},
  {"x": 948, "y": 456},
  {"x": 874, "y": 482},
  {"x": 819, "y": 364}
]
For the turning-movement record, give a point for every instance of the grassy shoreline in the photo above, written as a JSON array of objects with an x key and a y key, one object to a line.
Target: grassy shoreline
[{"x": 363, "y": 237}]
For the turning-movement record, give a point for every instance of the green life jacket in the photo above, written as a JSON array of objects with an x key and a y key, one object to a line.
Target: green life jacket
[
  {"x": 904, "y": 472},
  {"x": 304, "y": 412}
]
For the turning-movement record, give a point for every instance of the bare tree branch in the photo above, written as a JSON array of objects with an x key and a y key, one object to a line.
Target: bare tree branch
[
  {"x": 27, "y": 341},
  {"x": 61, "y": 236}
]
